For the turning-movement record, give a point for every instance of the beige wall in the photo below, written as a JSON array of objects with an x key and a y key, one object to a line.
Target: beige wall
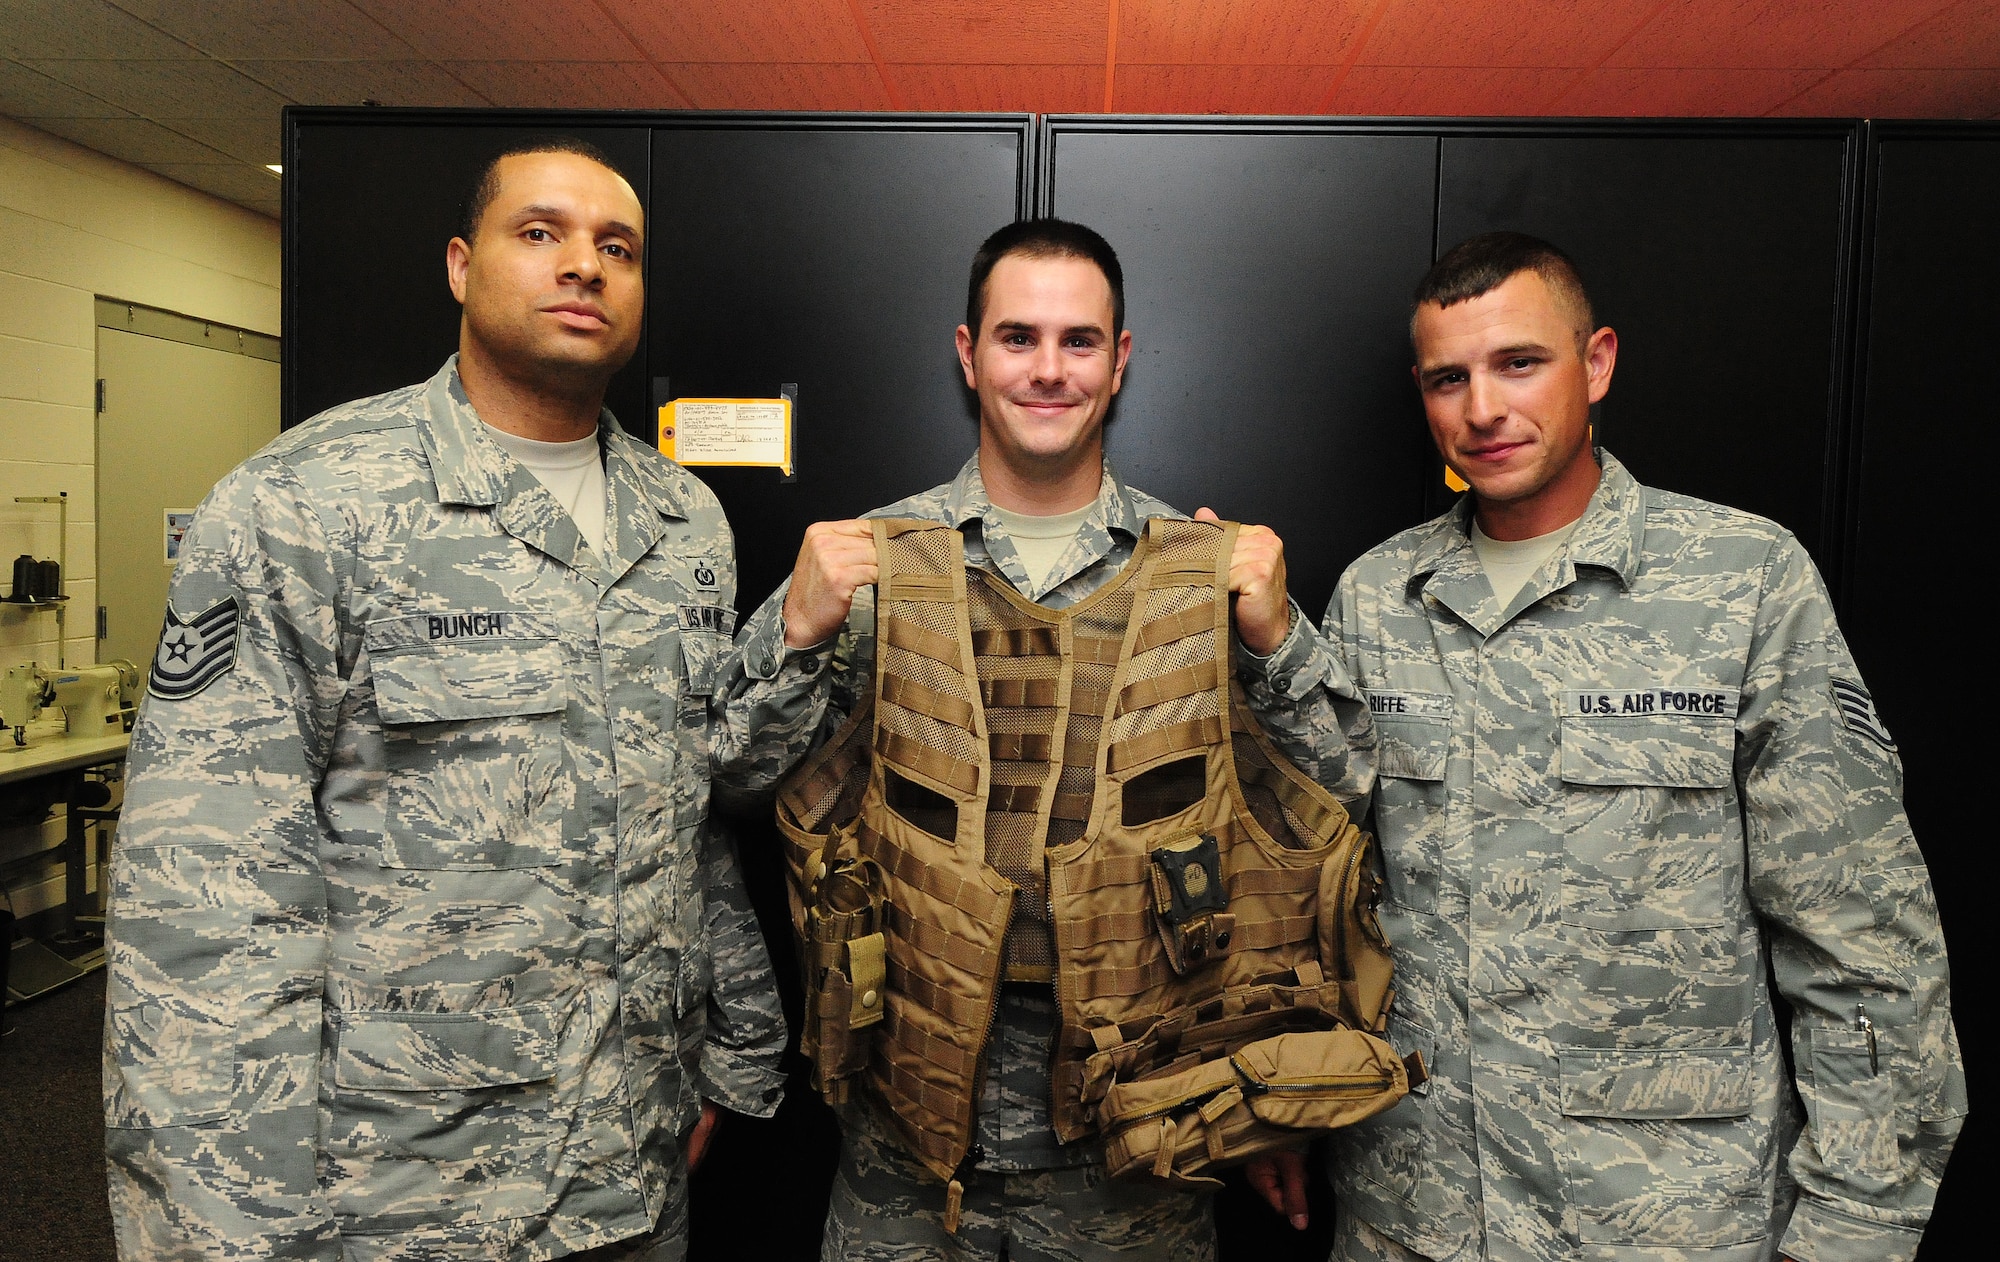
[{"x": 74, "y": 225}]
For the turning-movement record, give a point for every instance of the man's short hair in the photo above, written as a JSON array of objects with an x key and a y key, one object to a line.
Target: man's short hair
[
  {"x": 486, "y": 185},
  {"x": 1487, "y": 261},
  {"x": 1044, "y": 239}
]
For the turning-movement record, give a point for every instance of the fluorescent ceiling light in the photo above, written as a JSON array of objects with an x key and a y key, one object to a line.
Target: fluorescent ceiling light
[{"x": 274, "y": 168}]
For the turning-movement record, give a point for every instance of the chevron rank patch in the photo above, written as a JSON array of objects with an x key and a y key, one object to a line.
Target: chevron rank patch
[
  {"x": 194, "y": 652},
  {"x": 1857, "y": 711}
]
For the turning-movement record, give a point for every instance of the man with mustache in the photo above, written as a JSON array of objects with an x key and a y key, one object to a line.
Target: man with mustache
[
  {"x": 1044, "y": 347},
  {"x": 420, "y": 946},
  {"x": 1629, "y": 775}
]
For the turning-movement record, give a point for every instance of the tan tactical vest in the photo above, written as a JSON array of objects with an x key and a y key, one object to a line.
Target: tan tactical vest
[{"x": 1076, "y": 795}]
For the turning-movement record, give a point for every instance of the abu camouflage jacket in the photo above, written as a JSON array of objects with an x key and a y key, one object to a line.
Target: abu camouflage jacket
[
  {"x": 1608, "y": 809},
  {"x": 415, "y": 917}
]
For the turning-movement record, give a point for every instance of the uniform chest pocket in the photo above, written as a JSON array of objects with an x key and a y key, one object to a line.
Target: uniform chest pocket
[
  {"x": 1413, "y": 746},
  {"x": 1652, "y": 835},
  {"x": 472, "y": 737}
]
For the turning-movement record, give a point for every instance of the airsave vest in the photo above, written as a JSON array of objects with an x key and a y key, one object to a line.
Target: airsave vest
[{"x": 1078, "y": 796}]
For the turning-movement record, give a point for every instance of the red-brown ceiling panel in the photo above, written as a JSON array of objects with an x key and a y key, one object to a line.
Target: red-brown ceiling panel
[
  {"x": 505, "y": 30},
  {"x": 1238, "y": 32},
  {"x": 1502, "y": 32},
  {"x": 1772, "y": 33},
  {"x": 1220, "y": 89},
  {"x": 777, "y": 32},
  {"x": 331, "y": 29},
  {"x": 740, "y": 86},
  {"x": 1464, "y": 91},
  {"x": 1024, "y": 33},
  {"x": 567, "y": 85},
  {"x": 1005, "y": 89},
  {"x": 1966, "y": 35},
  {"x": 1711, "y": 93},
  {"x": 1899, "y": 94}
]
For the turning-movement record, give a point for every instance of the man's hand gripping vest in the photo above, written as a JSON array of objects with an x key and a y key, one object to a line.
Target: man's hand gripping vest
[{"x": 1079, "y": 796}]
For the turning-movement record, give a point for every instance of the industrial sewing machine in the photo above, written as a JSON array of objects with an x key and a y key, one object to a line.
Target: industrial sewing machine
[{"x": 95, "y": 700}]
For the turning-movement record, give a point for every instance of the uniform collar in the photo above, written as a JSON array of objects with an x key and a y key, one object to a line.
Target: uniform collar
[
  {"x": 1608, "y": 535},
  {"x": 472, "y": 470},
  {"x": 966, "y": 501}
]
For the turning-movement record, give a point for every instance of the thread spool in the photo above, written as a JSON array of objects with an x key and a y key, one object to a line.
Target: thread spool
[
  {"x": 51, "y": 580},
  {"x": 27, "y": 577}
]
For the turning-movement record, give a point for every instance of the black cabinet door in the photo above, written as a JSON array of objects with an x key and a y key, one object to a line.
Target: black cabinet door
[
  {"x": 834, "y": 257},
  {"x": 1919, "y": 505},
  {"x": 371, "y": 198},
  {"x": 1267, "y": 274},
  {"x": 1718, "y": 259}
]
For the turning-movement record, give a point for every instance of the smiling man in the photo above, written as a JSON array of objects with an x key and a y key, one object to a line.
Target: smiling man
[
  {"x": 975, "y": 1149},
  {"x": 420, "y": 946},
  {"x": 1629, "y": 774}
]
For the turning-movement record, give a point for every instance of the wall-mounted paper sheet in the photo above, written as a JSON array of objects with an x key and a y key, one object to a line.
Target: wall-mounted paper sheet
[{"x": 756, "y": 432}]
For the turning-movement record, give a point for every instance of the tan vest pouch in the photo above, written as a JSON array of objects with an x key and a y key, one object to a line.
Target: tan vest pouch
[{"x": 1275, "y": 1093}]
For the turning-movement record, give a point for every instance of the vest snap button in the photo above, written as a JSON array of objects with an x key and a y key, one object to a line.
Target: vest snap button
[
  {"x": 822, "y": 872},
  {"x": 869, "y": 999}
]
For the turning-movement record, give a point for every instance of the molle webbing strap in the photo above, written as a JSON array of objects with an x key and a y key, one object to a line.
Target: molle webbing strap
[
  {"x": 912, "y": 695},
  {"x": 971, "y": 897},
  {"x": 1020, "y": 747},
  {"x": 933, "y": 941},
  {"x": 1017, "y": 694},
  {"x": 1312, "y": 812},
  {"x": 1174, "y": 627},
  {"x": 1185, "y": 682},
  {"x": 1103, "y": 981},
  {"x": 919, "y": 640},
  {"x": 962, "y": 1010},
  {"x": 1034, "y": 641},
  {"x": 943, "y": 1053},
  {"x": 1191, "y": 736},
  {"x": 1095, "y": 651},
  {"x": 901, "y": 751}
]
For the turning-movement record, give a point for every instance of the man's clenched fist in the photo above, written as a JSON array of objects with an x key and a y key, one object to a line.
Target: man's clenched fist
[
  {"x": 1257, "y": 581},
  {"x": 836, "y": 558}
]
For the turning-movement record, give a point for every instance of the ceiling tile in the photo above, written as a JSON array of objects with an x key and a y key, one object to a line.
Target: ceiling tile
[
  {"x": 1238, "y": 32},
  {"x": 233, "y": 181},
  {"x": 254, "y": 140},
  {"x": 30, "y": 94},
  {"x": 612, "y": 85},
  {"x": 1950, "y": 93},
  {"x": 1024, "y": 33},
  {"x": 792, "y": 31},
  {"x": 352, "y": 82},
  {"x": 1220, "y": 89},
  {"x": 270, "y": 28},
  {"x": 135, "y": 140},
  {"x": 1001, "y": 89},
  {"x": 80, "y": 28},
  {"x": 1966, "y": 35},
  {"x": 1457, "y": 91},
  {"x": 1698, "y": 93},
  {"x": 504, "y": 30},
  {"x": 187, "y": 89},
  {"x": 1776, "y": 34},
  {"x": 1502, "y": 32},
  {"x": 735, "y": 86}
]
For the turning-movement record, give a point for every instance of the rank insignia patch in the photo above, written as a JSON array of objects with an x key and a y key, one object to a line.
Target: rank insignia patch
[
  {"x": 194, "y": 652},
  {"x": 1857, "y": 711}
]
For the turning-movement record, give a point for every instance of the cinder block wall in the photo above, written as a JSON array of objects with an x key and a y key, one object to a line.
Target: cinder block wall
[{"x": 75, "y": 225}]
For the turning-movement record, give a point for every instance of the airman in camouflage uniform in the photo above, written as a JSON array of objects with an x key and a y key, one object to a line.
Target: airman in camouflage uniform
[
  {"x": 1606, "y": 804},
  {"x": 1025, "y": 1194},
  {"x": 421, "y": 946}
]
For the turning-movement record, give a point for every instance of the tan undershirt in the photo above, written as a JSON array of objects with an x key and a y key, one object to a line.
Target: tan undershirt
[
  {"x": 1510, "y": 563},
  {"x": 1041, "y": 541}
]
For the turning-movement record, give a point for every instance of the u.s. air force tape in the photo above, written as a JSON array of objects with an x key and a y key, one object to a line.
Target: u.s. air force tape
[{"x": 194, "y": 652}]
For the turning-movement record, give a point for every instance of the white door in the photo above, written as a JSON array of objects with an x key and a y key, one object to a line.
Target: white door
[{"x": 176, "y": 417}]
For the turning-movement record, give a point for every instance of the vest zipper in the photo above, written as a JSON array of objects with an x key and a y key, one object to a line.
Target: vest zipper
[{"x": 1346, "y": 896}]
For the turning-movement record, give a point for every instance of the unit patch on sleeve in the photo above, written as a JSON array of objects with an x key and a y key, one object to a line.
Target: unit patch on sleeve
[
  {"x": 194, "y": 652},
  {"x": 1857, "y": 711}
]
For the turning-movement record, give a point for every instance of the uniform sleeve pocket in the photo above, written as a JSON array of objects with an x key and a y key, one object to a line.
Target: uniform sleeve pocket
[
  {"x": 472, "y": 739},
  {"x": 1852, "y": 1110},
  {"x": 446, "y": 1051},
  {"x": 1656, "y": 1084}
]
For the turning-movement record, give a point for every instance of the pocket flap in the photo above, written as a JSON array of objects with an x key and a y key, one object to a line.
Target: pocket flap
[
  {"x": 1666, "y": 738},
  {"x": 448, "y": 1051},
  {"x": 702, "y": 653},
  {"x": 484, "y": 679},
  {"x": 1411, "y": 746},
  {"x": 1321, "y": 1079},
  {"x": 1656, "y": 1083}
]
